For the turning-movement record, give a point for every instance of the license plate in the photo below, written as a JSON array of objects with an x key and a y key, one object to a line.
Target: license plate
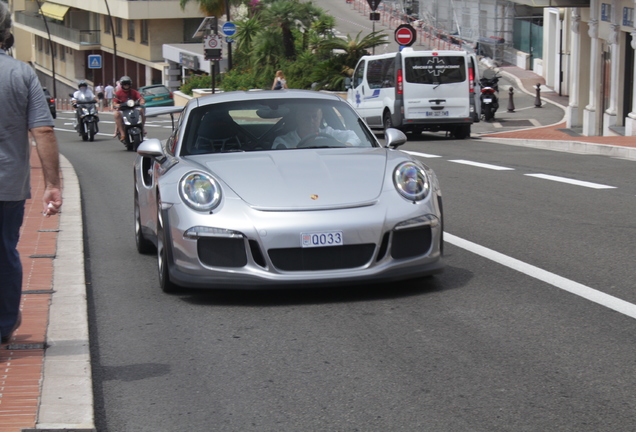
[
  {"x": 487, "y": 100},
  {"x": 436, "y": 113},
  {"x": 157, "y": 98},
  {"x": 321, "y": 238}
]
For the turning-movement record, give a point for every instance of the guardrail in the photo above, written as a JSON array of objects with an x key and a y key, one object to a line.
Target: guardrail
[{"x": 426, "y": 35}]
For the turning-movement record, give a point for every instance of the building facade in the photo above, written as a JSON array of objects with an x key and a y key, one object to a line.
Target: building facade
[{"x": 119, "y": 37}]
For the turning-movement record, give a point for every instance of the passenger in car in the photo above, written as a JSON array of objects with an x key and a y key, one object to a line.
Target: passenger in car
[{"x": 308, "y": 129}]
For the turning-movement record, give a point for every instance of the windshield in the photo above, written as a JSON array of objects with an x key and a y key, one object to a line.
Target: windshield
[
  {"x": 435, "y": 69},
  {"x": 276, "y": 124}
]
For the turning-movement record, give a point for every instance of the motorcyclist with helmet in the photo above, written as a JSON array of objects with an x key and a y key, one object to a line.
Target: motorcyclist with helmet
[
  {"x": 82, "y": 94},
  {"x": 121, "y": 97}
]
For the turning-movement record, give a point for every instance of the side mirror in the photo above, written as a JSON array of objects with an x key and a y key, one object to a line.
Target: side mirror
[
  {"x": 394, "y": 138},
  {"x": 347, "y": 83},
  {"x": 151, "y": 148}
]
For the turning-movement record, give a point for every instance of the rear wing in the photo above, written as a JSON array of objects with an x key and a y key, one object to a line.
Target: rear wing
[{"x": 157, "y": 111}]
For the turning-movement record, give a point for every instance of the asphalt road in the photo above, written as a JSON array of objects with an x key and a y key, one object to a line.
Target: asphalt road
[{"x": 492, "y": 344}]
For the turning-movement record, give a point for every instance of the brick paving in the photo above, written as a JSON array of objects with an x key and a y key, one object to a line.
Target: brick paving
[
  {"x": 22, "y": 359},
  {"x": 558, "y": 133}
]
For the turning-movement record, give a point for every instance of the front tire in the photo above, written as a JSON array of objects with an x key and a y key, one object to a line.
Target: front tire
[
  {"x": 165, "y": 283},
  {"x": 144, "y": 246},
  {"x": 92, "y": 129}
]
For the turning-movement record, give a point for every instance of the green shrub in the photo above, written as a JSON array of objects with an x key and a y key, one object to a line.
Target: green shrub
[{"x": 196, "y": 82}]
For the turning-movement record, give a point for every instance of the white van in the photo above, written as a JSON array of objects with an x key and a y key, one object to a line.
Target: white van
[{"x": 417, "y": 90}]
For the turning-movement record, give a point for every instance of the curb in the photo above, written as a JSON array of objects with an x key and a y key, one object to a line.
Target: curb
[
  {"x": 67, "y": 390},
  {"x": 578, "y": 147}
]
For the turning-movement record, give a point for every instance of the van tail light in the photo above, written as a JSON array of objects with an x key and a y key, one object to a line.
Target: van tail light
[
  {"x": 400, "y": 82},
  {"x": 471, "y": 80}
]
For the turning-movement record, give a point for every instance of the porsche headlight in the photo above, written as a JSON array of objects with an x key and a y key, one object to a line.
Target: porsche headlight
[
  {"x": 200, "y": 191},
  {"x": 411, "y": 181}
]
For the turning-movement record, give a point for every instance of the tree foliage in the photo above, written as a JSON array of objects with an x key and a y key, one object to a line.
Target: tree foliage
[{"x": 294, "y": 36}]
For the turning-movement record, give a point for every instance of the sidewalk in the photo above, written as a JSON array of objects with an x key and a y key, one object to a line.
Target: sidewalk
[
  {"x": 45, "y": 370},
  {"x": 553, "y": 134}
]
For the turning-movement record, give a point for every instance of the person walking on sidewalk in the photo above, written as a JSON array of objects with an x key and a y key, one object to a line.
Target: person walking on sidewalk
[
  {"x": 30, "y": 113},
  {"x": 109, "y": 93}
]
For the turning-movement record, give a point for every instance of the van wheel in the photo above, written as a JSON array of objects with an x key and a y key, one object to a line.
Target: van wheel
[
  {"x": 461, "y": 132},
  {"x": 386, "y": 120}
]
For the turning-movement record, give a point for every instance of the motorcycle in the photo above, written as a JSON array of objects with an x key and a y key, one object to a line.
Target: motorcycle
[
  {"x": 86, "y": 119},
  {"x": 488, "y": 97},
  {"x": 133, "y": 124}
]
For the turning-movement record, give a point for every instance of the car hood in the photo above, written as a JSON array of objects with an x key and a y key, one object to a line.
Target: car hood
[{"x": 302, "y": 178}]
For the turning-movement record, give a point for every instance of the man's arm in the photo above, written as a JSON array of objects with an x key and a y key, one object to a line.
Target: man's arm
[{"x": 46, "y": 146}]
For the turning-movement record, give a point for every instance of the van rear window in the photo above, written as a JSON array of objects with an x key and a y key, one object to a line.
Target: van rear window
[{"x": 435, "y": 69}]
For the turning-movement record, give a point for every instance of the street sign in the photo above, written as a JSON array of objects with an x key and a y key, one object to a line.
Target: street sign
[
  {"x": 373, "y": 4},
  {"x": 405, "y": 35},
  {"x": 229, "y": 29},
  {"x": 212, "y": 42},
  {"x": 188, "y": 60},
  {"x": 213, "y": 54},
  {"x": 94, "y": 61}
]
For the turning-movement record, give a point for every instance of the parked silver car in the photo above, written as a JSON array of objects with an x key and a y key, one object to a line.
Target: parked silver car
[{"x": 283, "y": 189}]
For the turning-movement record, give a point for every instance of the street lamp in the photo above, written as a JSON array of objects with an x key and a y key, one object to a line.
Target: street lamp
[
  {"x": 46, "y": 24},
  {"x": 112, "y": 31}
]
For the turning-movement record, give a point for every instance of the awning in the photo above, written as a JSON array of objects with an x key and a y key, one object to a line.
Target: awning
[{"x": 54, "y": 11}]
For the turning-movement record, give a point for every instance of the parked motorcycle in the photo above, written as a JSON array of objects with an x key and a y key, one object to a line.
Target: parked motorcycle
[
  {"x": 133, "y": 124},
  {"x": 86, "y": 119},
  {"x": 489, "y": 100}
]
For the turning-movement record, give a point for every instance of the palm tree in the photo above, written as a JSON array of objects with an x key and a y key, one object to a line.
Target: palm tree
[
  {"x": 355, "y": 48},
  {"x": 289, "y": 15},
  {"x": 246, "y": 32}
]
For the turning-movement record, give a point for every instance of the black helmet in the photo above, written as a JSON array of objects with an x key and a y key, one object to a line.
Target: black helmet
[
  {"x": 82, "y": 83},
  {"x": 125, "y": 80}
]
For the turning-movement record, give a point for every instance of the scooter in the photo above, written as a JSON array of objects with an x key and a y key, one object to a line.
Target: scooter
[
  {"x": 488, "y": 97},
  {"x": 86, "y": 119},
  {"x": 133, "y": 124}
]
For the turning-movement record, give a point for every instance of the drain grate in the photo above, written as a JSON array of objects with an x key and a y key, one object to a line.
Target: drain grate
[
  {"x": 515, "y": 123},
  {"x": 49, "y": 230},
  {"x": 49, "y": 291},
  {"x": 43, "y": 256},
  {"x": 26, "y": 346}
]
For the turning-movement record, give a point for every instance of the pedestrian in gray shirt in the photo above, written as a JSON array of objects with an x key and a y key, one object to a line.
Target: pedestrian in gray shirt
[{"x": 28, "y": 112}]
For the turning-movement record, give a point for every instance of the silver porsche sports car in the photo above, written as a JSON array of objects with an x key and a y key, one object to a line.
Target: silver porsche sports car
[{"x": 284, "y": 188}]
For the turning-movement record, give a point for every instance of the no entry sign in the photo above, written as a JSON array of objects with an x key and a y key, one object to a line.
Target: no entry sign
[{"x": 405, "y": 35}]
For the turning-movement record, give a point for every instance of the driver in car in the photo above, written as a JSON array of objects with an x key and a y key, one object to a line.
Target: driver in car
[{"x": 309, "y": 133}]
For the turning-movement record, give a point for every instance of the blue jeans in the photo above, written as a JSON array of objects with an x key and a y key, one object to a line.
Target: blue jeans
[{"x": 11, "y": 216}]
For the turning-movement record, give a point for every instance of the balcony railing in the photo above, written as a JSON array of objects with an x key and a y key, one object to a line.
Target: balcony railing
[{"x": 81, "y": 37}]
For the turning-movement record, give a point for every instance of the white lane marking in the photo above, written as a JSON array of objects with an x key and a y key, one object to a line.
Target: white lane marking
[
  {"x": 572, "y": 287},
  {"x": 424, "y": 155},
  {"x": 571, "y": 181},
  {"x": 482, "y": 165}
]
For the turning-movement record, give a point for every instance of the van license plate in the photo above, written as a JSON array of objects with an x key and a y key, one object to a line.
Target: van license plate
[
  {"x": 436, "y": 113},
  {"x": 319, "y": 239}
]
